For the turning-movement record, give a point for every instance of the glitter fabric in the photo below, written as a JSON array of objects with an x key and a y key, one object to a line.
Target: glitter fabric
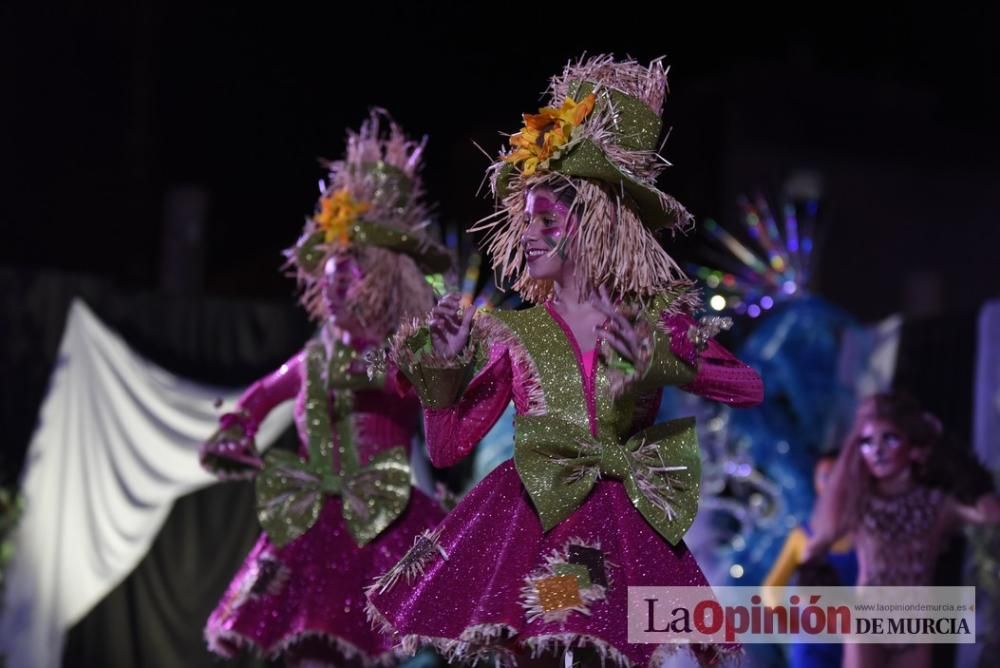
[
  {"x": 660, "y": 468},
  {"x": 577, "y": 571},
  {"x": 291, "y": 490},
  {"x": 558, "y": 592},
  {"x": 898, "y": 537},
  {"x": 311, "y": 591},
  {"x": 560, "y": 587},
  {"x": 494, "y": 541},
  {"x": 474, "y": 602},
  {"x": 592, "y": 560},
  {"x": 721, "y": 377}
]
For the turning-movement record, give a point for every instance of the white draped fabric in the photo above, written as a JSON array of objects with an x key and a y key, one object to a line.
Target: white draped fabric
[
  {"x": 868, "y": 356},
  {"x": 116, "y": 444}
]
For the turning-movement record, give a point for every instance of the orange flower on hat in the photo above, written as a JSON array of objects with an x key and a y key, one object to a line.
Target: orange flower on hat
[
  {"x": 546, "y": 132},
  {"x": 338, "y": 211}
]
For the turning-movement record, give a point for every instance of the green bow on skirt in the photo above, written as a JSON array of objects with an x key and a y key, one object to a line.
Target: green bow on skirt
[
  {"x": 290, "y": 495},
  {"x": 559, "y": 462},
  {"x": 291, "y": 490}
]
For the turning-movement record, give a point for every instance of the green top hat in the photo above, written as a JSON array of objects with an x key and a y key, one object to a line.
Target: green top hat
[{"x": 615, "y": 144}]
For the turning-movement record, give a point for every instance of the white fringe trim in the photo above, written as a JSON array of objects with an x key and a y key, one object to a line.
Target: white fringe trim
[
  {"x": 426, "y": 546},
  {"x": 480, "y": 645},
  {"x": 346, "y": 649}
]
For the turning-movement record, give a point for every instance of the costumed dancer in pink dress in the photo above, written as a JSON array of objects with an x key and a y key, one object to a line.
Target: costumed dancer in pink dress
[
  {"x": 342, "y": 510},
  {"x": 536, "y": 561}
]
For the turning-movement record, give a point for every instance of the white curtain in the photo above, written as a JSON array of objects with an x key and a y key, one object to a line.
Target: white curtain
[
  {"x": 986, "y": 439},
  {"x": 116, "y": 444},
  {"x": 868, "y": 356},
  {"x": 986, "y": 415}
]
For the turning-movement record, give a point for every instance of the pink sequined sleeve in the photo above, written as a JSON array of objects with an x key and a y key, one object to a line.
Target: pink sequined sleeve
[
  {"x": 720, "y": 376},
  {"x": 279, "y": 386},
  {"x": 453, "y": 432},
  {"x": 231, "y": 452},
  {"x": 396, "y": 381}
]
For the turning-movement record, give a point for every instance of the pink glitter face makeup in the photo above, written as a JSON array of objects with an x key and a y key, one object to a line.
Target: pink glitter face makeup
[
  {"x": 340, "y": 274},
  {"x": 544, "y": 240}
]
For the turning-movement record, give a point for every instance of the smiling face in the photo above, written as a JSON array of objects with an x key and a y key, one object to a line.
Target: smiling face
[{"x": 545, "y": 240}]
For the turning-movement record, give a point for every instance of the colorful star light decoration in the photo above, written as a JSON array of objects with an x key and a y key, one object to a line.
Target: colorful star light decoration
[{"x": 770, "y": 267}]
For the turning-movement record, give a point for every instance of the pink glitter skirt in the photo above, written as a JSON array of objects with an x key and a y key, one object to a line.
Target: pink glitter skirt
[
  {"x": 488, "y": 583},
  {"x": 310, "y": 593}
]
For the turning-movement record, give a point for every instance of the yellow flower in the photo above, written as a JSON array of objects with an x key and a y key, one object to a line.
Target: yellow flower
[
  {"x": 338, "y": 211},
  {"x": 546, "y": 132}
]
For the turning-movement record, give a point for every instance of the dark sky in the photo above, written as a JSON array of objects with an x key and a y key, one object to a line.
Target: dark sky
[{"x": 105, "y": 111}]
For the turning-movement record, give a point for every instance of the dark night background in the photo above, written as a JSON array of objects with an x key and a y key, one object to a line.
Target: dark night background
[
  {"x": 156, "y": 157},
  {"x": 116, "y": 120}
]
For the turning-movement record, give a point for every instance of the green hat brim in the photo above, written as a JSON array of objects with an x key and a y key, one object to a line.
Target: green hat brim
[
  {"x": 432, "y": 258},
  {"x": 639, "y": 130},
  {"x": 587, "y": 161}
]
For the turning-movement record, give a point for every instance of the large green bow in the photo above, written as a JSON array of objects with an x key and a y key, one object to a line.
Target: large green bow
[
  {"x": 290, "y": 494},
  {"x": 559, "y": 463},
  {"x": 290, "y": 490}
]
